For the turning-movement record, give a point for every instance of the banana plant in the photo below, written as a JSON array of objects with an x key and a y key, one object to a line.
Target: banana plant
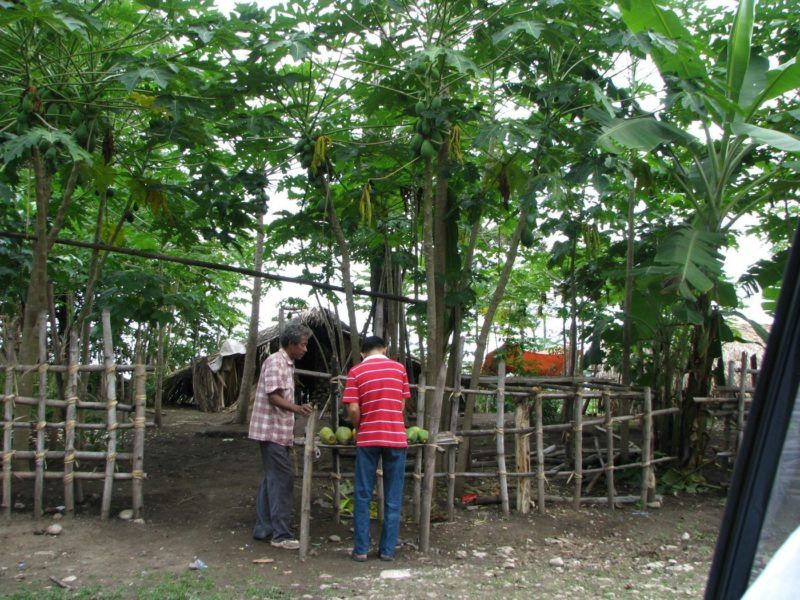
[{"x": 737, "y": 164}]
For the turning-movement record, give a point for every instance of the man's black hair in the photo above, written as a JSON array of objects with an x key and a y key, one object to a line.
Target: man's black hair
[{"x": 372, "y": 342}]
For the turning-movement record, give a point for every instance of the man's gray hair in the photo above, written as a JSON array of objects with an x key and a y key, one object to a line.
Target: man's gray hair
[{"x": 294, "y": 332}]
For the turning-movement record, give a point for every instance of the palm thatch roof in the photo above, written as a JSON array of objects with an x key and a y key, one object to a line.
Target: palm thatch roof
[
  {"x": 748, "y": 341},
  {"x": 214, "y": 391}
]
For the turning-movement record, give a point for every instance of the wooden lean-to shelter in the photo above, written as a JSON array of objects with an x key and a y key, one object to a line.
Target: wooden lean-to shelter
[{"x": 212, "y": 382}]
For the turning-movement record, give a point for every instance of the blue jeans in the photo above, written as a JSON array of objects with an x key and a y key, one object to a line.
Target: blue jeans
[{"x": 394, "y": 467}]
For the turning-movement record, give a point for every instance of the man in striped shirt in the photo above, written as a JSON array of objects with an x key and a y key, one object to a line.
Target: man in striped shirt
[{"x": 375, "y": 397}]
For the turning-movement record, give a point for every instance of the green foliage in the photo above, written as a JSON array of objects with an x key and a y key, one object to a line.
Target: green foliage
[
  {"x": 175, "y": 123},
  {"x": 684, "y": 481}
]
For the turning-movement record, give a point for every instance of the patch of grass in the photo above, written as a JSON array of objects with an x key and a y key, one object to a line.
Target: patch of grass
[
  {"x": 269, "y": 592},
  {"x": 188, "y": 586}
]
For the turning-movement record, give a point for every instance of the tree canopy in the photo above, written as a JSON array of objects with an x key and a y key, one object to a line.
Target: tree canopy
[{"x": 572, "y": 163}]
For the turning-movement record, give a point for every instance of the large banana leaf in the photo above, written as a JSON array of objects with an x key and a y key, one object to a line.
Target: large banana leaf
[
  {"x": 691, "y": 261},
  {"x": 782, "y": 79},
  {"x": 770, "y": 137},
  {"x": 673, "y": 47},
  {"x": 739, "y": 48},
  {"x": 643, "y": 133}
]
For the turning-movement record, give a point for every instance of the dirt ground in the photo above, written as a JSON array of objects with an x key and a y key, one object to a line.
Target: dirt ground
[{"x": 199, "y": 503}]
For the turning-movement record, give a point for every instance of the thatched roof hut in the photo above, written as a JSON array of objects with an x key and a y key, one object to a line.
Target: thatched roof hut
[
  {"x": 212, "y": 382},
  {"x": 747, "y": 341}
]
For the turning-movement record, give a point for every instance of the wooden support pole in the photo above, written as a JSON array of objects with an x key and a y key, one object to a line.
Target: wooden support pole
[
  {"x": 540, "y": 477},
  {"x": 8, "y": 430},
  {"x": 455, "y": 401},
  {"x": 647, "y": 424},
  {"x": 77, "y": 474},
  {"x": 139, "y": 424},
  {"x": 731, "y": 379},
  {"x": 111, "y": 415},
  {"x": 577, "y": 445},
  {"x": 418, "y": 457},
  {"x": 336, "y": 459},
  {"x": 523, "y": 457},
  {"x": 308, "y": 472},
  {"x": 501, "y": 438},
  {"x": 160, "y": 370},
  {"x": 609, "y": 466},
  {"x": 70, "y": 418},
  {"x": 41, "y": 418},
  {"x": 430, "y": 462},
  {"x": 740, "y": 406},
  {"x": 379, "y": 489}
]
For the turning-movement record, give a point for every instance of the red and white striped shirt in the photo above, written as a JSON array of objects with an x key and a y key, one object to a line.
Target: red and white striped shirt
[{"x": 380, "y": 386}]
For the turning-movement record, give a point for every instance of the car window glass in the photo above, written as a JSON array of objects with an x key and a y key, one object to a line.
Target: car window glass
[{"x": 783, "y": 511}]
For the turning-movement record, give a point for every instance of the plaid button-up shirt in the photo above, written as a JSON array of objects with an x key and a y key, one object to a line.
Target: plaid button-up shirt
[{"x": 268, "y": 422}]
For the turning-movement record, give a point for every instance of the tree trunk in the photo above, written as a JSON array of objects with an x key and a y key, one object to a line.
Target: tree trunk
[
  {"x": 480, "y": 344},
  {"x": 466, "y": 270},
  {"x": 36, "y": 296},
  {"x": 440, "y": 246},
  {"x": 252, "y": 334},
  {"x": 573, "y": 313},
  {"x": 692, "y": 440},
  {"x": 430, "y": 277},
  {"x": 347, "y": 281},
  {"x": 625, "y": 367}
]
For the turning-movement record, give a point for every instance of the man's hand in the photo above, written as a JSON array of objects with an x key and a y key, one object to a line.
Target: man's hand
[{"x": 303, "y": 409}]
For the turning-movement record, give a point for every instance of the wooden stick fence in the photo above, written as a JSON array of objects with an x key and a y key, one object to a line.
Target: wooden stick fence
[
  {"x": 529, "y": 399},
  {"x": 71, "y": 455},
  {"x": 731, "y": 403},
  {"x": 581, "y": 392}
]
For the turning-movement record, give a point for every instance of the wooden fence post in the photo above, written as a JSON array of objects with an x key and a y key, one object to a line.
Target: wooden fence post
[
  {"x": 41, "y": 418},
  {"x": 523, "y": 456},
  {"x": 336, "y": 461},
  {"x": 540, "y": 477},
  {"x": 111, "y": 415},
  {"x": 577, "y": 444},
  {"x": 609, "y": 466},
  {"x": 69, "y": 425},
  {"x": 137, "y": 463},
  {"x": 308, "y": 473},
  {"x": 501, "y": 438},
  {"x": 428, "y": 481},
  {"x": 418, "y": 456},
  {"x": 647, "y": 424},
  {"x": 8, "y": 424},
  {"x": 741, "y": 402},
  {"x": 455, "y": 400}
]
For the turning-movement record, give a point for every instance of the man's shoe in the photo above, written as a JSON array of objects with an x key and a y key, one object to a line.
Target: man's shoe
[{"x": 286, "y": 544}]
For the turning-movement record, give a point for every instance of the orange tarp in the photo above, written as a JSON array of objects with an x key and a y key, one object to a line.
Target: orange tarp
[{"x": 525, "y": 362}]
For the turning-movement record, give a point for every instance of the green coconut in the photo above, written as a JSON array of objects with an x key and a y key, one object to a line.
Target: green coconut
[
  {"x": 343, "y": 434},
  {"x": 327, "y": 436}
]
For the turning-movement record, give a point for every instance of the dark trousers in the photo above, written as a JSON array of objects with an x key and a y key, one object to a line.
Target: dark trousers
[{"x": 274, "y": 501}]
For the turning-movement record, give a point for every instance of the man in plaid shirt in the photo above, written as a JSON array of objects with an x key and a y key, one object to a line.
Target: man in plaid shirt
[{"x": 272, "y": 424}]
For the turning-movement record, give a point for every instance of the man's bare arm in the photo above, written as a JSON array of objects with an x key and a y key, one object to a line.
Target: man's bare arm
[
  {"x": 276, "y": 399},
  {"x": 354, "y": 413}
]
